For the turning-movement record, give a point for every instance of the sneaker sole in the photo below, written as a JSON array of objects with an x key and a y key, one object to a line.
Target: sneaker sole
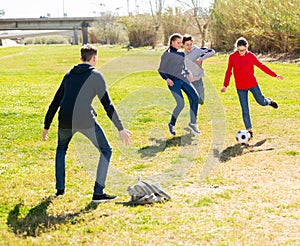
[
  {"x": 193, "y": 131},
  {"x": 104, "y": 200}
]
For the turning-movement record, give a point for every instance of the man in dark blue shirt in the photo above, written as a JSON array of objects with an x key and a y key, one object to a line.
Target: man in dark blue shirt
[{"x": 74, "y": 98}]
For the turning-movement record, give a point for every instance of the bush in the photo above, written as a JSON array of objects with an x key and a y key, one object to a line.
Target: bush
[
  {"x": 140, "y": 30},
  {"x": 47, "y": 40},
  {"x": 108, "y": 31}
]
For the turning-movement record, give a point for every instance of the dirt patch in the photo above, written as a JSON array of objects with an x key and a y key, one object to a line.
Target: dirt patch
[{"x": 282, "y": 58}]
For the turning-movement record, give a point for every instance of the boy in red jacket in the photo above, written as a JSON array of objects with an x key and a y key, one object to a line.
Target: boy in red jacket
[{"x": 242, "y": 62}]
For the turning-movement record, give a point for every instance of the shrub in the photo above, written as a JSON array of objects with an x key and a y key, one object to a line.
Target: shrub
[
  {"x": 108, "y": 31},
  {"x": 47, "y": 40},
  {"x": 140, "y": 30}
]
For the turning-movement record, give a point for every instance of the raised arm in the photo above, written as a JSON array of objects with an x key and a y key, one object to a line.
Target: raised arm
[{"x": 206, "y": 53}]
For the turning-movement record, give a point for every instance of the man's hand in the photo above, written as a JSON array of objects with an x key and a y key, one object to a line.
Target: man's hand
[
  {"x": 44, "y": 134},
  {"x": 125, "y": 136},
  {"x": 223, "y": 89}
]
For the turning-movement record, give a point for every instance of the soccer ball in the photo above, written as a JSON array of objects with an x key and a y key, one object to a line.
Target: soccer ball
[{"x": 243, "y": 136}]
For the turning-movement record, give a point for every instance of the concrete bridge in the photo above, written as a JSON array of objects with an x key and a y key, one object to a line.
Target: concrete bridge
[{"x": 66, "y": 23}]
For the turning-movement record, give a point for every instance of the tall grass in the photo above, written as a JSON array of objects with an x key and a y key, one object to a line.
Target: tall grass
[{"x": 270, "y": 26}]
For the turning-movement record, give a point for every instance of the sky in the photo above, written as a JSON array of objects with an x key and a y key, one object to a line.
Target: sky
[{"x": 76, "y": 8}]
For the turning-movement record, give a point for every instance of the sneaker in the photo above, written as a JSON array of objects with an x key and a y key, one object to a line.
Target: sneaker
[
  {"x": 59, "y": 192},
  {"x": 194, "y": 128},
  {"x": 172, "y": 129},
  {"x": 102, "y": 198},
  {"x": 273, "y": 103}
]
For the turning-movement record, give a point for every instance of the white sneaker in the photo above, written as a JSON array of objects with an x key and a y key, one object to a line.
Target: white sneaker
[
  {"x": 194, "y": 128},
  {"x": 172, "y": 129}
]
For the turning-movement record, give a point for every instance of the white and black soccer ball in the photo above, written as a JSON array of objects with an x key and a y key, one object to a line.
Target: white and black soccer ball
[{"x": 243, "y": 136}]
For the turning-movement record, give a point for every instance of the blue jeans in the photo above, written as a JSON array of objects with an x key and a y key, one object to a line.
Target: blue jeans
[
  {"x": 199, "y": 86},
  {"x": 243, "y": 97},
  {"x": 98, "y": 138},
  {"x": 192, "y": 96}
]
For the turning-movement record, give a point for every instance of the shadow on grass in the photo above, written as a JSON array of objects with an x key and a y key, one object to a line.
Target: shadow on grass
[
  {"x": 239, "y": 149},
  {"x": 160, "y": 145},
  {"x": 37, "y": 221}
]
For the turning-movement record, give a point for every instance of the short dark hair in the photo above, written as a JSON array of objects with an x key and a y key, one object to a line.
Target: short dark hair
[
  {"x": 187, "y": 37},
  {"x": 241, "y": 42},
  {"x": 173, "y": 37},
  {"x": 87, "y": 52}
]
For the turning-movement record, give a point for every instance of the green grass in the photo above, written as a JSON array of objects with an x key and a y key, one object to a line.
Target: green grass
[{"x": 222, "y": 193}]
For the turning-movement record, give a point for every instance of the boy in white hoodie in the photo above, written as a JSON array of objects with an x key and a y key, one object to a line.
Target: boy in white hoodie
[{"x": 194, "y": 57}]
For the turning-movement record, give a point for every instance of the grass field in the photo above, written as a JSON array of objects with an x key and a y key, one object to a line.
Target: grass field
[{"x": 222, "y": 193}]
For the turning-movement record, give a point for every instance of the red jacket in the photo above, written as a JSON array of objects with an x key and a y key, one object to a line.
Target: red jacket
[{"x": 243, "y": 70}]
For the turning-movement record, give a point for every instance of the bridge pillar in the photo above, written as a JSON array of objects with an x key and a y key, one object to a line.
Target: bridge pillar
[
  {"x": 75, "y": 31},
  {"x": 84, "y": 29}
]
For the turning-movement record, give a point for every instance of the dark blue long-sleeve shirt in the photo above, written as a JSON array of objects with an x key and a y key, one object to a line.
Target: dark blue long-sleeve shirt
[{"x": 74, "y": 98}]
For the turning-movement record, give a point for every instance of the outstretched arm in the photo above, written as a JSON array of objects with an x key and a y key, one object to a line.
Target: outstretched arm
[
  {"x": 52, "y": 110},
  {"x": 227, "y": 75},
  {"x": 111, "y": 111},
  {"x": 206, "y": 53},
  {"x": 265, "y": 69},
  {"x": 113, "y": 115}
]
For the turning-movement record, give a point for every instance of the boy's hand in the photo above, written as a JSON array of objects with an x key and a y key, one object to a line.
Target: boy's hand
[
  {"x": 44, "y": 134},
  {"x": 125, "y": 136}
]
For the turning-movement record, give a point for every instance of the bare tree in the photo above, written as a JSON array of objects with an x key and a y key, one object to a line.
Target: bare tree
[
  {"x": 173, "y": 20},
  {"x": 107, "y": 30},
  {"x": 200, "y": 15},
  {"x": 156, "y": 8}
]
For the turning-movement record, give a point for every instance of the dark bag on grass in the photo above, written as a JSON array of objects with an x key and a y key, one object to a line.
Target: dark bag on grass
[{"x": 146, "y": 192}]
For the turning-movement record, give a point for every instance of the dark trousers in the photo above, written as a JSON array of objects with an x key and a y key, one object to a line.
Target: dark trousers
[{"x": 98, "y": 138}]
